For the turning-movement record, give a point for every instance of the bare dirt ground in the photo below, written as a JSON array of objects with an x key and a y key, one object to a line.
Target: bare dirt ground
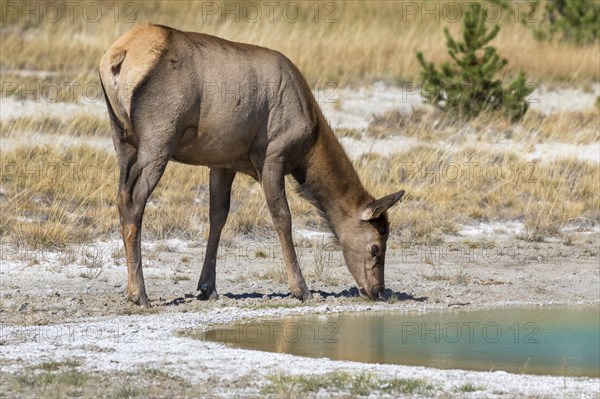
[
  {"x": 39, "y": 288},
  {"x": 67, "y": 327}
]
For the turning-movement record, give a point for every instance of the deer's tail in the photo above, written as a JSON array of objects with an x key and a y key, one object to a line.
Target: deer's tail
[{"x": 126, "y": 64}]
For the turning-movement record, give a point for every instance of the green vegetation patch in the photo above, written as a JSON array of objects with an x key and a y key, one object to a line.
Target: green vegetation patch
[{"x": 361, "y": 384}]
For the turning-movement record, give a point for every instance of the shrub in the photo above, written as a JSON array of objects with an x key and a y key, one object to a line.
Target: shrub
[
  {"x": 576, "y": 21},
  {"x": 466, "y": 85}
]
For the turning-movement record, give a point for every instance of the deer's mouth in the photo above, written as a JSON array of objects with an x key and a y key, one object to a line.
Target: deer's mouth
[{"x": 373, "y": 294}]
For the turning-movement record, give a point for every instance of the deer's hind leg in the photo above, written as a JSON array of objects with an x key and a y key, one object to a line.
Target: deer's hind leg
[
  {"x": 220, "y": 199},
  {"x": 140, "y": 172}
]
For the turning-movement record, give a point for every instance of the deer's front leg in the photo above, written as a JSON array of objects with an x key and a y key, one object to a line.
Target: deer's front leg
[
  {"x": 273, "y": 183},
  {"x": 220, "y": 199}
]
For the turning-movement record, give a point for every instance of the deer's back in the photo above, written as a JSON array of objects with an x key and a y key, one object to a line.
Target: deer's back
[{"x": 234, "y": 103}]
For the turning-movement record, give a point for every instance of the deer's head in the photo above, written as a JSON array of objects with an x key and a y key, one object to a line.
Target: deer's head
[{"x": 364, "y": 243}]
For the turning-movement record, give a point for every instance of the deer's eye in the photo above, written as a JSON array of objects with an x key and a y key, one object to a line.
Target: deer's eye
[{"x": 374, "y": 250}]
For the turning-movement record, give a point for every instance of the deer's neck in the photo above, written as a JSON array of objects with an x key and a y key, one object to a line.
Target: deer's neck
[{"x": 330, "y": 181}]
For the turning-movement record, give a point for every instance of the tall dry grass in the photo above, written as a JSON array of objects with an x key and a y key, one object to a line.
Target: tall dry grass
[
  {"x": 79, "y": 124},
  {"x": 345, "y": 41},
  {"x": 52, "y": 197},
  {"x": 432, "y": 125},
  {"x": 446, "y": 189}
]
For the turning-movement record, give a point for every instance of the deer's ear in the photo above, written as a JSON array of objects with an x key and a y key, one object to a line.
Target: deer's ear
[{"x": 375, "y": 208}]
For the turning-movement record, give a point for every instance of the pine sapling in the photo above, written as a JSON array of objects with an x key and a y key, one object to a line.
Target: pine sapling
[{"x": 467, "y": 84}]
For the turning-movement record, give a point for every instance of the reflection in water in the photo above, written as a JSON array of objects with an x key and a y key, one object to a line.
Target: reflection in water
[{"x": 542, "y": 340}]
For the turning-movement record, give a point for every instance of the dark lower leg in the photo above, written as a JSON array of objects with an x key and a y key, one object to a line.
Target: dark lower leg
[{"x": 220, "y": 198}]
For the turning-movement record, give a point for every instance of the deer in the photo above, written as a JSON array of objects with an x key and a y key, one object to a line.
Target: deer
[{"x": 169, "y": 97}]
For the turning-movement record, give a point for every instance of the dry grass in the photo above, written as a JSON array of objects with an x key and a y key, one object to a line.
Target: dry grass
[
  {"x": 49, "y": 86},
  {"x": 574, "y": 127},
  {"x": 375, "y": 40},
  {"x": 63, "y": 379},
  {"x": 53, "y": 197},
  {"x": 276, "y": 272},
  {"x": 352, "y": 133},
  {"x": 461, "y": 278},
  {"x": 445, "y": 189},
  {"x": 56, "y": 196},
  {"x": 430, "y": 124},
  {"x": 357, "y": 385},
  {"x": 76, "y": 125}
]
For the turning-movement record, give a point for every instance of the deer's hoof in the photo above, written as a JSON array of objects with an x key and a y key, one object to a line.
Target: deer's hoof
[
  {"x": 304, "y": 296},
  {"x": 141, "y": 300},
  {"x": 207, "y": 293}
]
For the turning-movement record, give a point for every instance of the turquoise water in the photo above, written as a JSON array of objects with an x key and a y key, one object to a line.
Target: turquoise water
[{"x": 541, "y": 340}]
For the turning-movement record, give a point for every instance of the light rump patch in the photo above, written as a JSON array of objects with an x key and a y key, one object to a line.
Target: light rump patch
[{"x": 128, "y": 61}]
